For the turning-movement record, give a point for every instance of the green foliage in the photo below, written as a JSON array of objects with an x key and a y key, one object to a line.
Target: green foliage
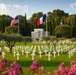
[
  {"x": 11, "y": 30},
  {"x": 53, "y": 37},
  {"x": 11, "y": 39},
  {"x": 1, "y": 36},
  {"x": 60, "y": 13},
  {"x": 4, "y": 22},
  {"x": 62, "y": 31},
  {"x": 50, "y": 66},
  {"x": 26, "y": 40},
  {"x": 73, "y": 39},
  {"x": 53, "y": 19},
  {"x": 46, "y": 38}
]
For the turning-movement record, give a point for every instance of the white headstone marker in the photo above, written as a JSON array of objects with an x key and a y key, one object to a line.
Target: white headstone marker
[
  {"x": 18, "y": 55},
  {"x": 45, "y": 52},
  {"x": 27, "y": 53},
  {"x": 54, "y": 54},
  {"x": 22, "y": 51},
  {"x": 3, "y": 54},
  {"x": 40, "y": 53},
  {"x": 58, "y": 52},
  {"x": 49, "y": 56},
  {"x": 69, "y": 54},
  {"x": 14, "y": 53},
  {"x": 33, "y": 54}
]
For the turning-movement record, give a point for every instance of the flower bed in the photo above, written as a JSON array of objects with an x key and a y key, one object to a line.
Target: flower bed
[{"x": 35, "y": 69}]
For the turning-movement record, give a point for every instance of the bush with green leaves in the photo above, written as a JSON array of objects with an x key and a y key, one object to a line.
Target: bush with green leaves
[
  {"x": 11, "y": 30},
  {"x": 11, "y": 39},
  {"x": 25, "y": 40},
  {"x": 62, "y": 31}
]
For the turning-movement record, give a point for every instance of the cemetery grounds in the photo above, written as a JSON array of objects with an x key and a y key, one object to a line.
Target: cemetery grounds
[{"x": 65, "y": 52}]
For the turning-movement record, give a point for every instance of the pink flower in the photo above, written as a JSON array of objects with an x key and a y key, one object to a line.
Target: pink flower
[
  {"x": 15, "y": 72},
  {"x": 35, "y": 65},
  {"x": 57, "y": 72},
  {"x": 42, "y": 69},
  {"x": 1, "y": 66},
  {"x": 4, "y": 60},
  {"x": 71, "y": 73},
  {"x": 61, "y": 66},
  {"x": 14, "y": 64},
  {"x": 72, "y": 63},
  {"x": 1, "y": 52}
]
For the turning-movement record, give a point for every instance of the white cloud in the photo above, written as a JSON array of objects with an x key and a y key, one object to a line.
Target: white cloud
[
  {"x": 13, "y": 10},
  {"x": 73, "y": 6}
]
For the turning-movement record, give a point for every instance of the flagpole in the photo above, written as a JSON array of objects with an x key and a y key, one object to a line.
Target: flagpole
[
  {"x": 46, "y": 27},
  {"x": 18, "y": 25}
]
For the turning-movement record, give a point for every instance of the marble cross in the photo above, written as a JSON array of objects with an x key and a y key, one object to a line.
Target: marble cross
[
  {"x": 49, "y": 56},
  {"x": 18, "y": 55},
  {"x": 58, "y": 52},
  {"x": 14, "y": 53},
  {"x": 22, "y": 51},
  {"x": 3, "y": 54},
  {"x": 27, "y": 53},
  {"x": 40, "y": 53},
  {"x": 33, "y": 54},
  {"x": 54, "y": 53}
]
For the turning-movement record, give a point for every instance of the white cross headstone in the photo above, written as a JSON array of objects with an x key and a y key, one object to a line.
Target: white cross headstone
[
  {"x": 3, "y": 54},
  {"x": 14, "y": 53},
  {"x": 49, "y": 56},
  {"x": 22, "y": 51},
  {"x": 45, "y": 52},
  {"x": 69, "y": 54},
  {"x": 58, "y": 52},
  {"x": 61, "y": 51},
  {"x": 40, "y": 53},
  {"x": 33, "y": 54},
  {"x": 27, "y": 53},
  {"x": 54, "y": 54},
  {"x": 18, "y": 55}
]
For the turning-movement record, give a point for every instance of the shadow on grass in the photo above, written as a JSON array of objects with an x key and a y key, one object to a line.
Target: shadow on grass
[{"x": 42, "y": 63}]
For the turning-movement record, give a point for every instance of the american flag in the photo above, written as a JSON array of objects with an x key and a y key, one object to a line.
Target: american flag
[{"x": 14, "y": 21}]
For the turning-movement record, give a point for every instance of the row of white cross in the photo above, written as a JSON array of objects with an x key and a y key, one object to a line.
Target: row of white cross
[{"x": 49, "y": 51}]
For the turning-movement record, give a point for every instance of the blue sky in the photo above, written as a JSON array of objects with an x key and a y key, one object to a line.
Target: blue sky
[{"x": 15, "y": 7}]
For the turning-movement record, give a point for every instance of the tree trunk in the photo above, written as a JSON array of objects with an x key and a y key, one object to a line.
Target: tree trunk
[{"x": 10, "y": 49}]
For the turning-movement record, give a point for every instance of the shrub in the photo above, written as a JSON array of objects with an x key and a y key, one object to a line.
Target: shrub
[{"x": 11, "y": 30}]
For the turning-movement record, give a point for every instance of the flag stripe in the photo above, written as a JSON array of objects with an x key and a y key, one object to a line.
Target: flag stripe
[
  {"x": 14, "y": 21},
  {"x": 41, "y": 20},
  {"x": 44, "y": 18}
]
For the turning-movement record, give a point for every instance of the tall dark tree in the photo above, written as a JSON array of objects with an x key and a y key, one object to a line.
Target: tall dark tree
[
  {"x": 26, "y": 26},
  {"x": 4, "y": 22},
  {"x": 74, "y": 26}
]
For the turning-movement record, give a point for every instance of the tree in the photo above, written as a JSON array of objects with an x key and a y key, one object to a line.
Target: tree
[
  {"x": 54, "y": 41},
  {"x": 10, "y": 40},
  {"x": 47, "y": 39},
  {"x": 73, "y": 27},
  {"x": 5, "y": 21},
  {"x": 57, "y": 21},
  {"x": 26, "y": 27},
  {"x": 11, "y": 30},
  {"x": 59, "y": 13},
  {"x": 26, "y": 40},
  {"x": 62, "y": 31}
]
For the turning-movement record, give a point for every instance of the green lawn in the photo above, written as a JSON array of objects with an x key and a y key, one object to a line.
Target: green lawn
[{"x": 50, "y": 65}]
